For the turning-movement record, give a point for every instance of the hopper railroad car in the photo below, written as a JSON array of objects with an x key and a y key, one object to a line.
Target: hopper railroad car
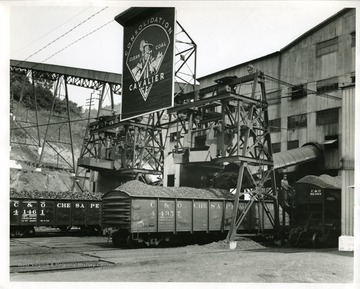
[
  {"x": 137, "y": 213},
  {"x": 26, "y": 214},
  {"x": 317, "y": 212}
]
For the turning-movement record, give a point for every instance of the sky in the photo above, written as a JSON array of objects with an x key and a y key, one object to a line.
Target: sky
[{"x": 227, "y": 33}]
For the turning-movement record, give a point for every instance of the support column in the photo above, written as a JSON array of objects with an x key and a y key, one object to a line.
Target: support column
[{"x": 346, "y": 240}]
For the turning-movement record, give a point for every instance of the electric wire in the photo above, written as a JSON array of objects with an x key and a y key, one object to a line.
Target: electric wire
[
  {"x": 286, "y": 84},
  {"x": 55, "y": 123},
  {"x": 79, "y": 39},
  {"x": 305, "y": 89},
  {"x": 57, "y": 27},
  {"x": 289, "y": 85},
  {"x": 93, "y": 31},
  {"x": 67, "y": 32}
]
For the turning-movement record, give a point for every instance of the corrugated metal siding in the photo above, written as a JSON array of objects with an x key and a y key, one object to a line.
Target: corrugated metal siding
[
  {"x": 348, "y": 124},
  {"x": 347, "y": 203},
  {"x": 116, "y": 210},
  {"x": 347, "y": 157}
]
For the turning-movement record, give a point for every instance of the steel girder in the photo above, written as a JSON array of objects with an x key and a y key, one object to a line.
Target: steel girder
[
  {"x": 88, "y": 79},
  {"x": 185, "y": 62},
  {"x": 132, "y": 148},
  {"x": 51, "y": 134},
  {"x": 54, "y": 128},
  {"x": 140, "y": 140},
  {"x": 233, "y": 120}
]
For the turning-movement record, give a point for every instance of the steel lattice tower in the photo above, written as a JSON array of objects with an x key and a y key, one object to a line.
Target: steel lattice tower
[{"x": 233, "y": 117}]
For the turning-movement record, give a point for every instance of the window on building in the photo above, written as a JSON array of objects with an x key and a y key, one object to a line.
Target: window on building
[
  {"x": 170, "y": 180},
  {"x": 276, "y": 147},
  {"x": 352, "y": 78},
  {"x": 353, "y": 39},
  {"x": 174, "y": 136},
  {"x": 331, "y": 142},
  {"x": 297, "y": 121},
  {"x": 273, "y": 97},
  {"x": 327, "y": 116},
  {"x": 275, "y": 125},
  {"x": 200, "y": 141},
  {"x": 327, "y": 46},
  {"x": 298, "y": 91},
  {"x": 293, "y": 144},
  {"x": 327, "y": 85}
]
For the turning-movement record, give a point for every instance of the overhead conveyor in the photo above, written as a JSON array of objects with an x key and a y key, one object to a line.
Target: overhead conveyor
[
  {"x": 307, "y": 153},
  {"x": 86, "y": 78}
]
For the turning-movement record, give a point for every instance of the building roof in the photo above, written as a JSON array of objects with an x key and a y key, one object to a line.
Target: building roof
[
  {"x": 291, "y": 44},
  {"x": 241, "y": 64},
  {"x": 315, "y": 28}
]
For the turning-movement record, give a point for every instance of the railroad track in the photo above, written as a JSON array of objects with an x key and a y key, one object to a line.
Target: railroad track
[{"x": 58, "y": 266}]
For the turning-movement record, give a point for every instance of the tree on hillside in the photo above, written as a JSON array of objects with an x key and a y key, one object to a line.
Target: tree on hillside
[{"x": 21, "y": 85}]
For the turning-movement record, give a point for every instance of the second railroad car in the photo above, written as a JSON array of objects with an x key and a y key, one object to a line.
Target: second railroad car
[{"x": 139, "y": 213}]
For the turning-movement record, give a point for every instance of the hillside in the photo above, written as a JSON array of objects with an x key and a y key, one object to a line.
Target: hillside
[{"x": 57, "y": 155}]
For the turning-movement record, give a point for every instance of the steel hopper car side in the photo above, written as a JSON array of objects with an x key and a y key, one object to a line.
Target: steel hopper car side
[
  {"x": 317, "y": 214},
  {"x": 137, "y": 213},
  {"x": 26, "y": 214}
]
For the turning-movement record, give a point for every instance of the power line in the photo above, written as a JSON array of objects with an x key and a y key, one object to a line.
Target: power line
[
  {"x": 93, "y": 31},
  {"x": 287, "y": 84},
  {"x": 78, "y": 40},
  {"x": 61, "y": 36},
  {"x": 305, "y": 89},
  {"x": 54, "y": 123},
  {"x": 53, "y": 29}
]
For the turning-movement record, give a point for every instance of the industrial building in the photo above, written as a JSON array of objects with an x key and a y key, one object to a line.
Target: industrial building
[
  {"x": 310, "y": 91},
  {"x": 310, "y": 88}
]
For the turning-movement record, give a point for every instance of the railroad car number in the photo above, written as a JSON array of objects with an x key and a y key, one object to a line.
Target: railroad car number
[
  {"x": 29, "y": 212},
  {"x": 166, "y": 214},
  {"x": 16, "y": 212},
  {"x": 315, "y": 192}
]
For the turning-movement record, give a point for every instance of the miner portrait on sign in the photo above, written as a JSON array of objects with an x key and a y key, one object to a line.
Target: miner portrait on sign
[
  {"x": 147, "y": 64},
  {"x": 148, "y": 70}
]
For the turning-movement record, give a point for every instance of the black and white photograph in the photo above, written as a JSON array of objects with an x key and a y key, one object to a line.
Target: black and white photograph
[{"x": 179, "y": 143}]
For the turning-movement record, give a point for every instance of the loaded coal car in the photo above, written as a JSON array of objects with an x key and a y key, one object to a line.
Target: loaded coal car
[
  {"x": 32, "y": 210},
  {"x": 317, "y": 211},
  {"x": 139, "y": 214}
]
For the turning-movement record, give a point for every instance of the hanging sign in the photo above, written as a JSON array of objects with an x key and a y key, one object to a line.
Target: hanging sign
[{"x": 148, "y": 60}]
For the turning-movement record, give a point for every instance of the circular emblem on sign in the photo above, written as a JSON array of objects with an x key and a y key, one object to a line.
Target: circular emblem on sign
[{"x": 145, "y": 58}]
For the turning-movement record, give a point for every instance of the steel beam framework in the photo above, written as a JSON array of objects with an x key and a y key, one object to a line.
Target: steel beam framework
[
  {"x": 233, "y": 121},
  {"x": 185, "y": 62},
  {"x": 129, "y": 145},
  {"x": 23, "y": 128},
  {"x": 231, "y": 118},
  {"x": 138, "y": 145},
  {"x": 52, "y": 133}
]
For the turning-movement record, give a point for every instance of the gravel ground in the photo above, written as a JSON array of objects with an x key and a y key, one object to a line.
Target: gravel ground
[{"x": 215, "y": 262}]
